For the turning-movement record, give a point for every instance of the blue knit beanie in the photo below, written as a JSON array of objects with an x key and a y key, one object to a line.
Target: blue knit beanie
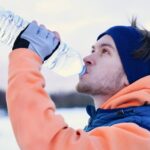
[{"x": 128, "y": 39}]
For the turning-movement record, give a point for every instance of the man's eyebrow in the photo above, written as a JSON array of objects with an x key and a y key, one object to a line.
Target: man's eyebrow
[
  {"x": 106, "y": 44},
  {"x": 103, "y": 45}
]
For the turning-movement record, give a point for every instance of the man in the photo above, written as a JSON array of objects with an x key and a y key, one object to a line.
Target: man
[{"x": 117, "y": 77}]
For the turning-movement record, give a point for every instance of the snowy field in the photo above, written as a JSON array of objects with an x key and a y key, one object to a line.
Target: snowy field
[{"x": 75, "y": 117}]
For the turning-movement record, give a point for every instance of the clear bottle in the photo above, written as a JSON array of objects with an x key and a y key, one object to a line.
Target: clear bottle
[{"x": 65, "y": 61}]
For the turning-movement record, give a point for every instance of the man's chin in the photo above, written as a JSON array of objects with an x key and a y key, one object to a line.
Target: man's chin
[{"x": 83, "y": 88}]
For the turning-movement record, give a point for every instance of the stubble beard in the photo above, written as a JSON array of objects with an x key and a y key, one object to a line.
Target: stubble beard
[
  {"x": 104, "y": 87},
  {"x": 87, "y": 89},
  {"x": 83, "y": 88}
]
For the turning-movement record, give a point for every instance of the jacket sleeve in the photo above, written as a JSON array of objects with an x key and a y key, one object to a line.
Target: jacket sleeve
[{"x": 33, "y": 118}]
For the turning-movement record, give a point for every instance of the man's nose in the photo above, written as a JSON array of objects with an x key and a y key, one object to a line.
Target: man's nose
[{"x": 88, "y": 60}]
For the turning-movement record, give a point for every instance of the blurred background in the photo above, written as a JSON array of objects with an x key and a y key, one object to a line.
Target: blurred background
[{"x": 78, "y": 23}]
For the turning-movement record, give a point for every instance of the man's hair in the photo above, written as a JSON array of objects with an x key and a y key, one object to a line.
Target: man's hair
[{"x": 144, "y": 51}]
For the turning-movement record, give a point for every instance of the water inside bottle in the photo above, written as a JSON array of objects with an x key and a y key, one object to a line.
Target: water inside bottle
[{"x": 65, "y": 61}]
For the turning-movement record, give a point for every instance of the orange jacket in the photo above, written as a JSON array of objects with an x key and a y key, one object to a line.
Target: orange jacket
[{"x": 37, "y": 127}]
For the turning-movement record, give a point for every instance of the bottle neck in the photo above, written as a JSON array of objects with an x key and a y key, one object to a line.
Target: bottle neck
[{"x": 83, "y": 71}]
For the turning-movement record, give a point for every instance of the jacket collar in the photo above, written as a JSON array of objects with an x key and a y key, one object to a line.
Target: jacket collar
[
  {"x": 108, "y": 117},
  {"x": 136, "y": 94}
]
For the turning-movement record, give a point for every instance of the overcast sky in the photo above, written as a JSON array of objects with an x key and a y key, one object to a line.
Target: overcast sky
[{"x": 78, "y": 22}]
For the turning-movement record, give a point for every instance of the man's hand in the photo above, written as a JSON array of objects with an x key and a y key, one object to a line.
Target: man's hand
[{"x": 38, "y": 39}]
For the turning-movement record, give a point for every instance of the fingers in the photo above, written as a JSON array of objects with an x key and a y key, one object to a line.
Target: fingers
[
  {"x": 46, "y": 33},
  {"x": 57, "y": 35},
  {"x": 31, "y": 30},
  {"x": 52, "y": 37},
  {"x": 40, "y": 31},
  {"x": 43, "y": 32}
]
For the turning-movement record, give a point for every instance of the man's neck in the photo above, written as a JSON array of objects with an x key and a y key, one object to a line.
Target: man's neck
[{"x": 100, "y": 99}]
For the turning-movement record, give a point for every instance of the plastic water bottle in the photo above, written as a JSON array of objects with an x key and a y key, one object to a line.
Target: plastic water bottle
[{"x": 65, "y": 61}]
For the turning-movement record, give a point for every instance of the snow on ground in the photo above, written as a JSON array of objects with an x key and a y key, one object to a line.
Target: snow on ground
[{"x": 75, "y": 117}]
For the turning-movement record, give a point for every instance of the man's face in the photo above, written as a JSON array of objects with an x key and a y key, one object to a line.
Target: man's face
[{"x": 105, "y": 74}]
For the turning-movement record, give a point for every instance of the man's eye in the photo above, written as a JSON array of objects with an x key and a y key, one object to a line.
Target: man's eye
[
  {"x": 92, "y": 51},
  {"x": 105, "y": 51}
]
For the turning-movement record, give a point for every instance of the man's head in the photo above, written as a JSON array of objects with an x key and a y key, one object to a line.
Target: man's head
[
  {"x": 105, "y": 74},
  {"x": 117, "y": 59}
]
